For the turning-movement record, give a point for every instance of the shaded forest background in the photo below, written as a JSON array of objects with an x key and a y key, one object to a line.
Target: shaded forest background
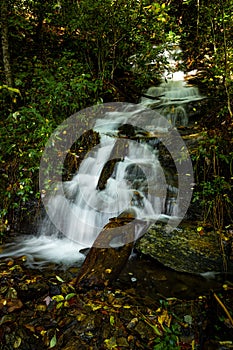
[{"x": 59, "y": 57}]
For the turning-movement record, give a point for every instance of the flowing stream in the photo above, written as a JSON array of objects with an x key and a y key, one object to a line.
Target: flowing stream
[
  {"x": 137, "y": 185},
  {"x": 171, "y": 98}
]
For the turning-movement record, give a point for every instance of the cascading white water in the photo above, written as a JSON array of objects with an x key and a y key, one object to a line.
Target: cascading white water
[
  {"x": 171, "y": 97},
  {"x": 176, "y": 91},
  {"x": 137, "y": 185}
]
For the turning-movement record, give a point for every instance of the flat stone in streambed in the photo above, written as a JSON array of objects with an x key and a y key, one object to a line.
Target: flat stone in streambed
[{"x": 184, "y": 249}]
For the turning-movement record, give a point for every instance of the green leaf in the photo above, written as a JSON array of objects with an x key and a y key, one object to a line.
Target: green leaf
[
  {"x": 59, "y": 305},
  {"x": 10, "y": 89},
  {"x": 17, "y": 342},
  {"x": 53, "y": 341},
  {"x": 110, "y": 343},
  {"x": 96, "y": 307},
  {"x": 112, "y": 320},
  {"x": 70, "y": 295},
  {"x": 58, "y": 298},
  {"x": 59, "y": 279},
  {"x": 155, "y": 329}
]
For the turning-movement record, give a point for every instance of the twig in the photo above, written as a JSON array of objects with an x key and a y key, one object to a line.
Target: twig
[{"x": 224, "y": 308}]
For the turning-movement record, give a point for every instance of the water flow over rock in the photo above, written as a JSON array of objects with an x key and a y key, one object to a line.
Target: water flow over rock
[
  {"x": 137, "y": 184},
  {"x": 172, "y": 98}
]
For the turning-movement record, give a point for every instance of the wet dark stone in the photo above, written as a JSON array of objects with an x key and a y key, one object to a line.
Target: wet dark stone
[
  {"x": 54, "y": 289},
  {"x": 183, "y": 249}
]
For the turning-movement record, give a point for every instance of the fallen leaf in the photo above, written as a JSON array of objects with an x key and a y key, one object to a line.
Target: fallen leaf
[
  {"x": 14, "y": 304},
  {"x": 47, "y": 300},
  {"x": 16, "y": 267},
  {"x": 132, "y": 323},
  {"x": 104, "y": 312},
  {"x": 164, "y": 318},
  {"x": 58, "y": 298},
  {"x": 81, "y": 317},
  {"x": 112, "y": 320},
  {"x": 59, "y": 305},
  {"x": 30, "y": 327},
  {"x": 33, "y": 280},
  {"x": 6, "y": 319},
  {"x": 17, "y": 342},
  {"x": 59, "y": 279},
  {"x": 70, "y": 295},
  {"x": 3, "y": 289},
  {"x": 111, "y": 343},
  {"x": 96, "y": 307},
  {"x": 53, "y": 341},
  {"x": 40, "y": 307},
  {"x": 3, "y": 302},
  {"x": 10, "y": 263},
  {"x": 11, "y": 294}
]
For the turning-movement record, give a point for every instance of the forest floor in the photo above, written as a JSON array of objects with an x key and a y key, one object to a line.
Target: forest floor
[{"x": 40, "y": 309}]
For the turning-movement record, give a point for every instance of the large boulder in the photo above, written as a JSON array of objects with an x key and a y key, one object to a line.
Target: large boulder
[{"x": 184, "y": 249}]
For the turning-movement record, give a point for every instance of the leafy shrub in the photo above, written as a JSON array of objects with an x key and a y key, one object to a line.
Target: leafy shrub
[
  {"x": 42, "y": 100},
  {"x": 213, "y": 165}
]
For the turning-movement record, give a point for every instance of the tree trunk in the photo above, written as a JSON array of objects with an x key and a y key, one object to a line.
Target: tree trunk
[
  {"x": 5, "y": 44},
  {"x": 104, "y": 263}
]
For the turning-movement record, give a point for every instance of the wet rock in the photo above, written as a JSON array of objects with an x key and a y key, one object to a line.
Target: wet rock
[
  {"x": 54, "y": 289},
  {"x": 183, "y": 249}
]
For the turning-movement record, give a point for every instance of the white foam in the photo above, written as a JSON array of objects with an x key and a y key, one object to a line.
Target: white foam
[{"x": 42, "y": 250}]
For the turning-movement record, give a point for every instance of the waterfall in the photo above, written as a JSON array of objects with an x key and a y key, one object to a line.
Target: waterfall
[
  {"x": 173, "y": 95},
  {"x": 171, "y": 99},
  {"x": 137, "y": 184},
  {"x": 78, "y": 209}
]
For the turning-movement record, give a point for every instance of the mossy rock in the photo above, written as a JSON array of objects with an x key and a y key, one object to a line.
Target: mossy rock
[{"x": 183, "y": 249}]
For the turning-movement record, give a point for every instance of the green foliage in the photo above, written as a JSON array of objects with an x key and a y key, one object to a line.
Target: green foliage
[
  {"x": 207, "y": 40},
  {"x": 25, "y": 131},
  {"x": 169, "y": 339},
  {"x": 67, "y": 56},
  {"x": 43, "y": 97},
  {"x": 23, "y": 135},
  {"x": 214, "y": 173},
  {"x": 63, "y": 89},
  {"x": 111, "y": 32}
]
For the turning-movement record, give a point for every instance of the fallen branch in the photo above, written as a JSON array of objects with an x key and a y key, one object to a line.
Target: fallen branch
[{"x": 224, "y": 308}]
